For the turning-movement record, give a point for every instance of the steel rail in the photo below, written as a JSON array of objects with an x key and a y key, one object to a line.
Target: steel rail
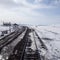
[{"x": 10, "y": 38}]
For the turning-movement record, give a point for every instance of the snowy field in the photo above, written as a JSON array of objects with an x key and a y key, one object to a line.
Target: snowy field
[
  {"x": 50, "y": 35},
  {"x": 4, "y": 28}
]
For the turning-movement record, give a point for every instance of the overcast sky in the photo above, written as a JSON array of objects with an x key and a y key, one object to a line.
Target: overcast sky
[{"x": 37, "y": 12}]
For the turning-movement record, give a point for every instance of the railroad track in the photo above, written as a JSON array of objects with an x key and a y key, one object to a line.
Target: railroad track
[
  {"x": 42, "y": 43},
  {"x": 9, "y": 38},
  {"x": 30, "y": 54},
  {"x": 40, "y": 46},
  {"x": 23, "y": 50},
  {"x": 19, "y": 49}
]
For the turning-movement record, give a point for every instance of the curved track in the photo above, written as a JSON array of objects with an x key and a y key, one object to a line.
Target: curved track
[
  {"x": 22, "y": 50},
  {"x": 18, "y": 52},
  {"x": 9, "y": 38}
]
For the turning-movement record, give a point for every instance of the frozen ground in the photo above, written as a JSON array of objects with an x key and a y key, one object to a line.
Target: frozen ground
[
  {"x": 3, "y": 28},
  {"x": 50, "y": 35}
]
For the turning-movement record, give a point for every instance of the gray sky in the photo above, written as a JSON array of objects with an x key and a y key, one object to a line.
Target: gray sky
[{"x": 30, "y": 11}]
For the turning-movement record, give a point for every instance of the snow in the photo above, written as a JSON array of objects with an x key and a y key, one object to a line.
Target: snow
[
  {"x": 7, "y": 50},
  {"x": 4, "y": 28},
  {"x": 0, "y": 57},
  {"x": 33, "y": 43},
  {"x": 50, "y": 35}
]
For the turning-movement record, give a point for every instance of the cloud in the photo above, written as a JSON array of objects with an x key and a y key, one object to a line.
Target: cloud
[
  {"x": 32, "y": 4},
  {"x": 45, "y": 3},
  {"x": 10, "y": 3},
  {"x": 29, "y": 4},
  {"x": 20, "y": 7},
  {"x": 17, "y": 10},
  {"x": 51, "y": 2}
]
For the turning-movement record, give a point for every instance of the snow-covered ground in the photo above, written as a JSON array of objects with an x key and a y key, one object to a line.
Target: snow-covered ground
[
  {"x": 50, "y": 35},
  {"x": 4, "y": 28}
]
